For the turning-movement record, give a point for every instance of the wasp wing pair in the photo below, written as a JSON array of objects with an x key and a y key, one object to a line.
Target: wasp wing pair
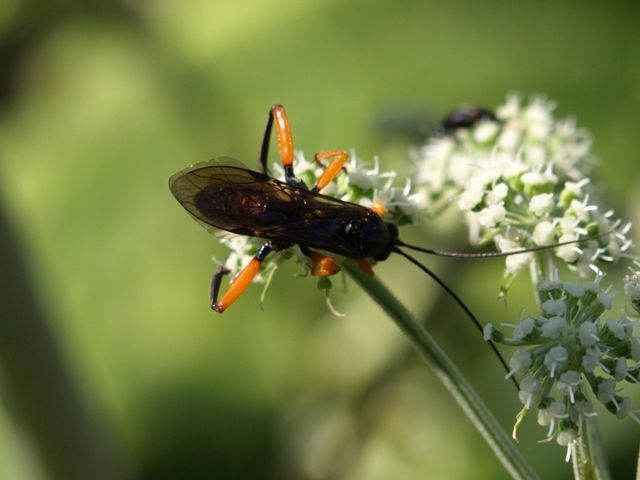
[{"x": 241, "y": 201}]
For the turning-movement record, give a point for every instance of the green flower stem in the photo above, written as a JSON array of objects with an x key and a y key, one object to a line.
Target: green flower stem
[
  {"x": 583, "y": 467},
  {"x": 596, "y": 449},
  {"x": 449, "y": 375},
  {"x": 589, "y": 461}
]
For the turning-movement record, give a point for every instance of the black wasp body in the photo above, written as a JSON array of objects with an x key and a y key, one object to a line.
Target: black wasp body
[{"x": 250, "y": 203}]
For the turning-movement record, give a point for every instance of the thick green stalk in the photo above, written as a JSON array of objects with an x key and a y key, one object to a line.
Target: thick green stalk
[
  {"x": 461, "y": 390},
  {"x": 583, "y": 467},
  {"x": 40, "y": 391}
]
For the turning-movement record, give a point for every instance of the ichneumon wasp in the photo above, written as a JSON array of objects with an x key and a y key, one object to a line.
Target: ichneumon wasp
[{"x": 289, "y": 213}]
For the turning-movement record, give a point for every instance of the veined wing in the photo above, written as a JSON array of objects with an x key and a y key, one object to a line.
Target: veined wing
[{"x": 245, "y": 202}]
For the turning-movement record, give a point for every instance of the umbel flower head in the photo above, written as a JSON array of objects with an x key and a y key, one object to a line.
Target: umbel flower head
[
  {"x": 571, "y": 354},
  {"x": 361, "y": 183},
  {"x": 521, "y": 181}
]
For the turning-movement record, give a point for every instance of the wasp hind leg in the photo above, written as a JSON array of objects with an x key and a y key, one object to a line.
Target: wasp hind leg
[
  {"x": 278, "y": 116},
  {"x": 239, "y": 284}
]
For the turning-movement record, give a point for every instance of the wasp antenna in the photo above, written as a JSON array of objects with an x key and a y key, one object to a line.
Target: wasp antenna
[
  {"x": 498, "y": 254},
  {"x": 462, "y": 305}
]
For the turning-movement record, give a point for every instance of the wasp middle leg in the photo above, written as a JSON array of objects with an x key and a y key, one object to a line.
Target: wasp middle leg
[{"x": 332, "y": 170}]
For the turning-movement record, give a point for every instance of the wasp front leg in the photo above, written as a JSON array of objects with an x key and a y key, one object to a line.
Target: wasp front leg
[
  {"x": 332, "y": 170},
  {"x": 239, "y": 284}
]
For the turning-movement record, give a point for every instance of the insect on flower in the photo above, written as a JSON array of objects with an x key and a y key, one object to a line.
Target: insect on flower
[
  {"x": 466, "y": 117},
  {"x": 228, "y": 196}
]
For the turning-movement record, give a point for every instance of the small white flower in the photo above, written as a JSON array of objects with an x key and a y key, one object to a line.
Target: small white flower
[
  {"x": 568, "y": 384},
  {"x": 579, "y": 210},
  {"x": 544, "y": 233},
  {"x": 566, "y": 437},
  {"x": 488, "y": 331},
  {"x": 547, "y": 285},
  {"x": 574, "y": 289},
  {"x": 535, "y": 179},
  {"x": 554, "y": 327},
  {"x": 606, "y": 390},
  {"x": 588, "y": 334},
  {"x": 485, "y": 131},
  {"x": 520, "y": 362},
  {"x": 591, "y": 359},
  {"x": 536, "y": 154},
  {"x": 530, "y": 390},
  {"x": 471, "y": 197},
  {"x": 569, "y": 253},
  {"x": 509, "y": 139},
  {"x": 556, "y": 359},
  {"x": 516, "y": 263},
  {"x": 492, "y": 215},
  {"x": 625, "y": 409},
  {"x": 524, "y": 328},
  {"x": 497, "y": 194},
  {"x": 571, "y": 191},
  {"x": 554, "y": 307},
  {"x": 606, "y": 299},
  {"x": 617, "y": 329},
  {"x": 511, "y": 109},
  {"x": 541, "y": 204},
  {"x": 620, "y": 372},
  {"x": 550, "y": 415}
]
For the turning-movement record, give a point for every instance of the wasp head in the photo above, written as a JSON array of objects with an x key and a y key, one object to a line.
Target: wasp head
[{"x": 371, "y": 237}]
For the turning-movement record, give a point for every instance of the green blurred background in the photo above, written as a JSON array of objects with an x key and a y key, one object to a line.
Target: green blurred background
[{"x": 111, "y": 363}]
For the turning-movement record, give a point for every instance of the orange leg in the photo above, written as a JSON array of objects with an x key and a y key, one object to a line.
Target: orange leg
[
  {"x": 365, "y": 267},
  {"x": 239, "y": 283},
  {"x": 278, "y": 116},
  {"x": 332, "y": 170},
  {"x": 379, "y": 207},
  {"x": 322, "y": 266}
]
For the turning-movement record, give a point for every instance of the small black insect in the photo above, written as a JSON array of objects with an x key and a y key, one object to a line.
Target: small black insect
[{"x": 466, "y": 117}]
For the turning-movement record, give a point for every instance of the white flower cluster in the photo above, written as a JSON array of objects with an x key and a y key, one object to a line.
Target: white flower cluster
[
  {"x": 521, "y": 182},
  {"x": 359, "y": 183},
  {"x": 570, "y": 349},
  {"x": 364, "y": 184}
]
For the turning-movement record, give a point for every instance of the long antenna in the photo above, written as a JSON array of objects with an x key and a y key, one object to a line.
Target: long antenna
[
  {"x": 441, "y": 253},
  {"x": 462, "y": 305}
]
